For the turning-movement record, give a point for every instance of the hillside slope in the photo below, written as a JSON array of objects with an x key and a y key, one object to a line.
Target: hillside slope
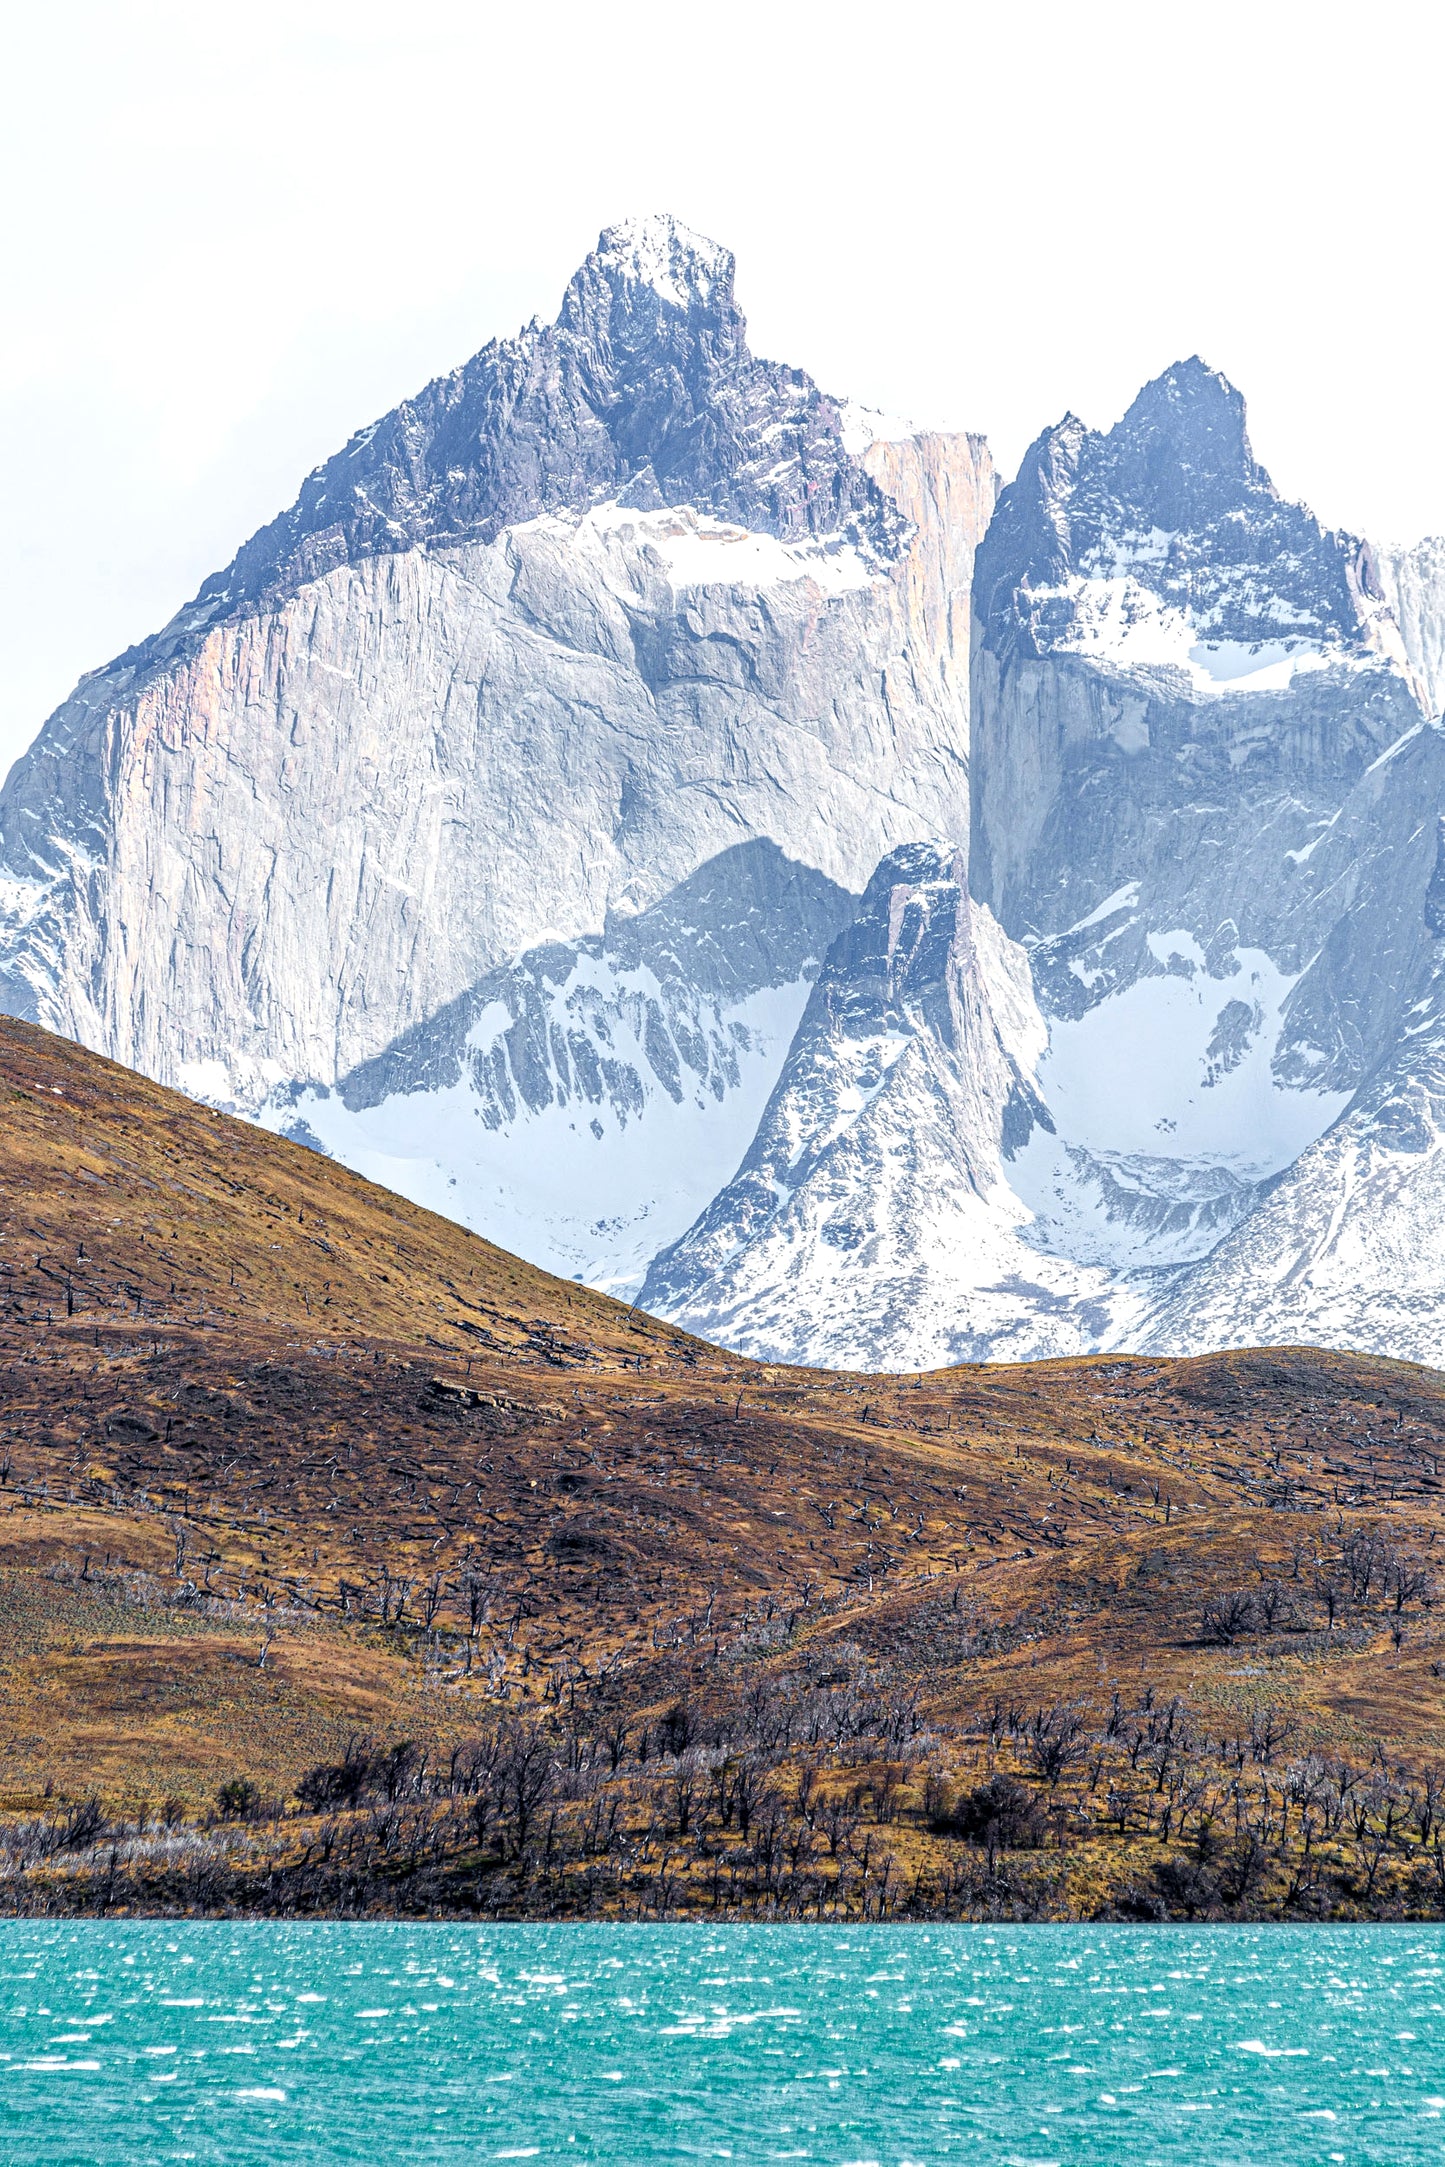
[{"x": 305, "y": 1490}]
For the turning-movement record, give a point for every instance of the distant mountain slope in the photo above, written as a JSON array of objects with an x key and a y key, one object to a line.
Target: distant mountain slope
[
  {"x": 609, "y": 600},
  {"x": 1414, "y": 583},
  {"x": 871, "y": 1222},
  {"x": 495, "y": 821},
  {"x": 1108, "y": 1099}
]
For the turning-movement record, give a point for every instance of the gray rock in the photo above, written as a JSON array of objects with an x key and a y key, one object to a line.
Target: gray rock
[
  {"x": 1206, "y": 816},
  {"x": 1414, "y": 584}
]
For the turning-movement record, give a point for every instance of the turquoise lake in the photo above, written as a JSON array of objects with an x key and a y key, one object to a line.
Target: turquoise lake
[{"x": 233, "y": 2043}]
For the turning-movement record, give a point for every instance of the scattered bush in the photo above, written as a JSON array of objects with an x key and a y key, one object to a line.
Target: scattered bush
[
  {"x": 238, "y": 1800},
  {"x": 1002, "y": 1815},
  {"x": 1226, "y": 1617},
  {"x": 339, "y": 1783}
]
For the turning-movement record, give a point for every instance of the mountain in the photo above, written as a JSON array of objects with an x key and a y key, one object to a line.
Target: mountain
[
  {"x": 871, "y": 1219},
  {"x": 1205, "y": 799},
  {"x": 609, "y": 600},
  {"x": 497, "y": 822},
  {"x": 352, "y": 1566}
]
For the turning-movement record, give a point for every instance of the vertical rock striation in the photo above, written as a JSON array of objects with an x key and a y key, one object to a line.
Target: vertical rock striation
[{"x": 1171, "y": 1077}]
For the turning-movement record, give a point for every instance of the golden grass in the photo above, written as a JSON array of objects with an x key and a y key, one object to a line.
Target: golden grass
[{"x": 252, "y": 1402}]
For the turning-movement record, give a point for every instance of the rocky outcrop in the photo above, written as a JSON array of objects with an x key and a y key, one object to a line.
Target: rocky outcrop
[
  {"x": 644, "y": 390},
  {"x": 1345, "y": 1247},
  {"x": 871, "y": 1223},
  {"x": 496, "y": 819},
  {"x": 610, "y": 600},
  {"x": 1177, "y": 669},
  {"x": 1205, "y": 812},
  {"x": 1188, "y": 697}
]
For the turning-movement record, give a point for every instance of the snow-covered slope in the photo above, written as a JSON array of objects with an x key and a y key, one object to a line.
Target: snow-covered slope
[
  {"x": 489, "y": 819},
  {"x": 612, "y": 598},
  {"x": 1348, "y": 1248},
  {"x": 583, "y": 1104},
  {"x": 872, "y": 1222},
  {"x": 1191, "y": 706}
]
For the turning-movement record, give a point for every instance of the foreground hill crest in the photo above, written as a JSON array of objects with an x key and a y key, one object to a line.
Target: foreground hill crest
[{"x": 415, "y": 1581}]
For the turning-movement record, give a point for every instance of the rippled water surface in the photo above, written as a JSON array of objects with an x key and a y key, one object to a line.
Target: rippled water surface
[{"x": 395, "y": 2044}]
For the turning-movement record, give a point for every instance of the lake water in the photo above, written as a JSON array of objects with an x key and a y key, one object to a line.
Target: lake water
[{"x": 394, "y": 2044}]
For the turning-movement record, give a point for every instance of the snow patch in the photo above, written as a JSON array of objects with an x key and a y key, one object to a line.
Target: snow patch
[
  {"x": 865, "y": 425},
  {"x": 1159, "y": 1069},
  {"x": 659, "y": 251},
  {"x": 1118, "y": 620},
  {"x": 590, "y": 1189},
  {"x": 239, "y": 1085},
  {"x": 694, "y": 550}
]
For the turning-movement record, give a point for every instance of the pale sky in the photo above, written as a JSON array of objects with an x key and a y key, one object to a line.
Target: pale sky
[{"x": 234, "y": 234}]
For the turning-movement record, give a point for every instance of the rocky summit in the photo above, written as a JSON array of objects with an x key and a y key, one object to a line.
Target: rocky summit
[{"x": 705, "y": 836}]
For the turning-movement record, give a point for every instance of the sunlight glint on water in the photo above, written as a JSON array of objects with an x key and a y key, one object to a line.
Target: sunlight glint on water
[{"x": 242, "y": 2043}]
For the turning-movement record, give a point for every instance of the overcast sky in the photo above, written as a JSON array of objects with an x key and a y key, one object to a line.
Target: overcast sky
[{"x": 233, "y": 234}]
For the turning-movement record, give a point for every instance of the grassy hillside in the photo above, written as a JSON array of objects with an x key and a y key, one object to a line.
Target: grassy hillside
[{"x": 350, "y": 1563}]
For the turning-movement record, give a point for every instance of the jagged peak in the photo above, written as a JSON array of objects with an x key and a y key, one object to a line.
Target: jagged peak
[
  {"x": 1191, "y": 382},
  {"x": 659, "y": 251},
  {"x": 918, "y": 865},
  {"x": 1190, "y": 401}
]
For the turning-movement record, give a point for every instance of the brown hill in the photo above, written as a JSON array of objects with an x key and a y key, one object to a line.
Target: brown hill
[{"x": 545, "y": 1605}]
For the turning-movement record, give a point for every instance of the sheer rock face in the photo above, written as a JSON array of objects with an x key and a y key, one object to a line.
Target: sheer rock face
[
  {"x": 611, "y": 599},
  {"x": 1182, "y": 674},
  {"x": 1183, "y": 1087},
  {"x": 496, "y": 820},
  {"x": 1204, "y": 800},
  {"x": 1344, "y": 1247}
]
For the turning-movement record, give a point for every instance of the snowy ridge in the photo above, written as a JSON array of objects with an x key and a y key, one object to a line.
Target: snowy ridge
[
  {"x": 660, "y": 252},
  {"x": 692, "y": 550},
  {"x": 583, "y": 1104}
]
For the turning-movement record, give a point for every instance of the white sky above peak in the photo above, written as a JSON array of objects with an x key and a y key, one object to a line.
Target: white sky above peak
[{"x": 231, "y": 244}]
